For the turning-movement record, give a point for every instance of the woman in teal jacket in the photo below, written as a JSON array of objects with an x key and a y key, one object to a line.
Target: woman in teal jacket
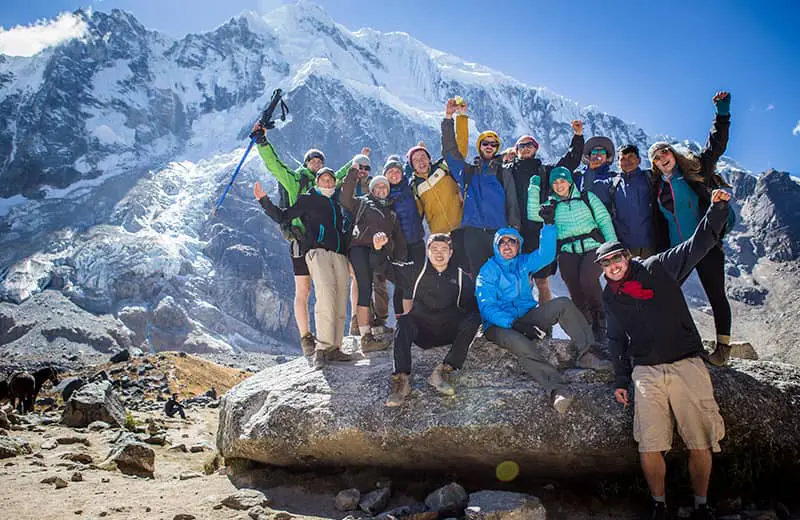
[{"x": 582, "y": 225}]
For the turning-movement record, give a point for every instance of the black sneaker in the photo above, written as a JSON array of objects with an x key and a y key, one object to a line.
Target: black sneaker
[
  {"x": 658, "y": 511},
  {"x": 702, "y": 512}
]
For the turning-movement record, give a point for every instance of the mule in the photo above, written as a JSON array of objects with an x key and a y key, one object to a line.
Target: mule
[{"x": 25, "y": 387}]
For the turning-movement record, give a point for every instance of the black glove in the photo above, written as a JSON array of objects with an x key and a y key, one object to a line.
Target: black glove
[
  {"x": 548, "y": 213},
  {"x": 528, "y": 329},
  {"x": 260, "y": 134}
]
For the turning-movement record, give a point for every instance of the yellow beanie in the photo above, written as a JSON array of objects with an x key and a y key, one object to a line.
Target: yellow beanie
[{"x": 484, "y": 135}]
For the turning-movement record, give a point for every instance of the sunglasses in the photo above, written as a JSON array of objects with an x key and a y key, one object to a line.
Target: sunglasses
[
  {"x": 599, "y": 151},
  {"x": 615, "y": 259},
  {"x": 528, "y": 144},
  {"x": 316, "y": 156},
  {"x": 364, "y": 167},
  {"x": 660, "y": 155},
  {"x": 507, "y": 241},
  {"x": 493, "y": 144}
]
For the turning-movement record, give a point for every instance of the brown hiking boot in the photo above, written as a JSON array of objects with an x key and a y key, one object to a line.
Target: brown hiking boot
[
  {"x": 439, "y": 379},
  {"x": 562, "y": 399},
  {"x": 592, "y": 361},
  {"x": 337, "y": 355},
  {"x": 400, "y": 390},
  {"x": 720, "y": 356},
  {"x": 319, "y": 359},
  {"x": 308, "y": 343},
  {"x": 370, "y": 343}
]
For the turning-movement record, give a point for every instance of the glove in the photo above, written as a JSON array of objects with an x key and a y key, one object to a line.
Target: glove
[
  {"x": 723, "y": 106},
  {"x": 260, "y": 134},
  {"x": 536, "y": 181},
  {"x": 548, "y": 214},
  {"x": 529, "y": 330}
]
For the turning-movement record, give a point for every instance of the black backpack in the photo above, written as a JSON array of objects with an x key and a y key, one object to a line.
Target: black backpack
[{"x": 283, "y": 203}]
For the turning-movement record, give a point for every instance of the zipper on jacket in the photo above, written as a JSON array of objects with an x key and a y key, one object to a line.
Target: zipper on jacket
[{"x": 336, "y": 226}]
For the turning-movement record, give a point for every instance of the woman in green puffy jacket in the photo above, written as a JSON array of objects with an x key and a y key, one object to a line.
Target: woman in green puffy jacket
[{"x": 582, "y": 225}]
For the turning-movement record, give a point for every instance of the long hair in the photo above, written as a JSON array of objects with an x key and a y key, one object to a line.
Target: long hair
[{"x": 689, "y": 164}]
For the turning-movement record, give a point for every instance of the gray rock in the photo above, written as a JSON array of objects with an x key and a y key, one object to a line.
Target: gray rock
[
  {"x": 79, "y": 457},
  {"x": 449, "y": 499},
  {"x": 189, "y": 476},
  {"x": 94, "y": 402},
  {"x": 133, "y": 457},
  {"x": 504, "y": 505},
  {"x": 60, "y": 483},
  {"x": 77, "y": 477},
  {"x": 68, "y": 386},
  {"x": 121, "y": 356},
  {"x": 4, "y": 422},
  {"x": 73, "y": 439},
  {"x": 245, "y": 499},
  {"x": 287, "y": 415},
  {"x": 375, "y": 501},
  {"x": 259, "y": 513},
  {"x": 13, "y": 447},
  {"x": 159, "y": 439},
  {"x": 347, "y": 500},
  {"x": 96, "y": 426},
  {"x": 183, "y": 516}
]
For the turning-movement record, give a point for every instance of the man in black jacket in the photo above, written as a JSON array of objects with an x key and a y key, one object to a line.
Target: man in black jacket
[
  {"x": 522, "y": 168},
  {"x": 649, "y": 323},
  {"x": 444, "y": 311}
]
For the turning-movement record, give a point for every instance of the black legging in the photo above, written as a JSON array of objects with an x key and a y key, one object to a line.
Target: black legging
[
  {"x": 359, "y": 258},
  {"x": 414, "y": 253},
  {"x": 711, "y": 271},
  {"x": 582, "y": 278}
]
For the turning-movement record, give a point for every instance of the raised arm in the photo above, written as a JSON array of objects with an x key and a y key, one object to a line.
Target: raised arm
[
  {"x": 546, "y": 253},
  {"x": 718, "y": 136},
  {"x": 572, "y": 159},
  {"x": 347, "y": 197},
  {"x": 453, "y": 156},
  {"x": 681, "y": 259},
  {"x": 534, "y": 198}
]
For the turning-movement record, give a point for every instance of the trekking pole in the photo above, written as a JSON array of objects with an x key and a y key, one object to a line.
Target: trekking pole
[{"x": 267, "y": 123}]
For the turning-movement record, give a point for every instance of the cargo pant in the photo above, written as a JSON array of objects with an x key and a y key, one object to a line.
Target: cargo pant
[{"x": 330, "y": 274}]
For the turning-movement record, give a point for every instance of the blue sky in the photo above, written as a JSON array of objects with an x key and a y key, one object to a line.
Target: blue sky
[{"x": 653, "y": 63}]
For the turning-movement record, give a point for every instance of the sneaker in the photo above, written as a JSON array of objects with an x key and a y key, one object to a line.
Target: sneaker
[
  {"x": 702, "y": 512},
  {"x": 400, "y": 390},
  {"x": 720, "y": 356},
  {"x": 562, "y": 399},
  {"x": 439, "y": 379},
  {"x": 308, "y": 343},
  {"x": 658, "y": 511},
  {"x": 319, "y": 359},
  {"x": 370, "y": 343},
  {"x": 591, "y": 361},
  {"x": 337, "y": 355}
]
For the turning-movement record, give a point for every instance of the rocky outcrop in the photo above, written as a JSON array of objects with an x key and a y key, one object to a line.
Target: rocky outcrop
[
  {"x": 94, "y": 402},
  {"x": 773, "y": 215},
  {"x": 292, "y": 416}
]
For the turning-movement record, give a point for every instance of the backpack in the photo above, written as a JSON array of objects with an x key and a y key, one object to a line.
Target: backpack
[
  {"x": 595, "y": 233},
  {"x": 283, "y": 203}
]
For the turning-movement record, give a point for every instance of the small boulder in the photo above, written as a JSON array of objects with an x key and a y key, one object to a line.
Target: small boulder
[
  {"x": 133, "y": 457},
  {"x": 244, "y": 499},
  {"x": 450, "y": 499},
  {"x": 504, "y": 505},
  {"x": 97, "y": 426},
  {"x": 77, "y": 477},
  {"x": 94, "y": 402},
  {"x": 4, "y": 422},
  {"x": 347, "y": 500},
  {"x": 13, "y": 447},
  {"x": 375, "y": 501},
  {"x": 80, "y": 458},
  {"x": 121, "y": 356},
  {"x": 183, "y": 516}
]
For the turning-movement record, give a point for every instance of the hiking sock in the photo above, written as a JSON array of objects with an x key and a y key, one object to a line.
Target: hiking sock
[
  {"x": 364, "y": 330},
  {"x": 700, "y": 501},
  {"x": 723, "y": 339},
  {"x": 661, "y": 499}
]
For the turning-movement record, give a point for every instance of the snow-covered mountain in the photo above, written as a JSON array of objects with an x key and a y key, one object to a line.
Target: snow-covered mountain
[{"x": 115, "y": 145}]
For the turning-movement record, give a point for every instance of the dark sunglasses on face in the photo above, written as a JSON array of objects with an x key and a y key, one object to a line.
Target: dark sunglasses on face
[
  {"x": 493, "y": 144},
  {"x": 528, "y": 144},
  {"x": 599, "y": 151},
  {"x": 364, "y": 167},
  {"x": 316, "y": 156},
  {"x": 617, "y": 258},
  {"x": 506, "y": 241}
]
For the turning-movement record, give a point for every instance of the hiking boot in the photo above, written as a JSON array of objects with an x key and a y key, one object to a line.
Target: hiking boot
[
  {"x": 591, "y": 361},
  {"x": 308, "y": 343},
  {"x": 354, "y": 326},
  {"x": 337, "y": 356},
  {"x": 319, "y": 359},
  {"x": 562, "y": 399},
  {"x": 702, "y": 512},
  {"x": 439, "y": 379},
  {"x": 658, "y": 511},
  {"x": 379, "y": 330},
  {"x": 370, "y": 343},
  {"x": 400, "y": 390},
  {"x": 720, "y": 356}
]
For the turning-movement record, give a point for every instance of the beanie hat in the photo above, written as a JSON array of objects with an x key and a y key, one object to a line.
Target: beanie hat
[
  {"x": 484, "y": 135},
  {"x": 415, "y": 149},
  {"x": 394, "y": 157},
  {"x": 313, "y": 153},
  {"x": 657, "y": 147},
  {"x": 361, "y": 160},
  {"x": 559, "y": 172},
  {"x": 392, "y": 163},
  {"x": 608, "y": 249},
  {"x": 377, "y": 180},
  {"x": 523, "y": 138},
  {"x": 322, "y": 171},
  {"x": 600, "y": 142}
]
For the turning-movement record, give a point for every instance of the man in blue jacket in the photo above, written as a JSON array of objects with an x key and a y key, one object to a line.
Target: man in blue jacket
[
  {"x": 488, "y": 190},
  {"x": 513, "y": 319},
  {"x": 650, "y": 327}
]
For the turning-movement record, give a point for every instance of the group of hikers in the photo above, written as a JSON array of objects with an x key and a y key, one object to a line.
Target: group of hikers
[{"x": 499, "y": 227}]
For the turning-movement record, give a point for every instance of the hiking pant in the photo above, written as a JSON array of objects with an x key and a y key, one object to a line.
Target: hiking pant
[
  {"x": 582, "y": 277},
  {"x": 414, "y": 253},
  {"x": 380, "y": 300},
  {"x": 330, "y": 275},
  {"x": 459, "y": 332},
  {"x": 558, "y": 310},
  {"x": 711, "y": 271},
  {"x": 367, "y": 282},
  {"x": 479, "y": 247},
  {"x": 178, "y": 408}
]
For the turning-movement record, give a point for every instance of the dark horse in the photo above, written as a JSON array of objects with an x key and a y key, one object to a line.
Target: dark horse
[{"x": 25, "y": 386}]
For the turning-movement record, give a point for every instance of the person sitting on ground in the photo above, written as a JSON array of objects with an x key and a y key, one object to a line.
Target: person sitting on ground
[
  {"x": 513, "y": 320},
  {"x": 583, "y": 223},
  {"x": 372, "y": 213},
  {"x": 683, "y": 186},
  {"x": 650, "y": 326},
  {"x": 173, "y": 406},
  {"x": 325, "y": 241},
  {"x": 443, "y": 312},
  {"x": 525, "y": 166},
  {"x": 404, "y": 205},
  {"x": 293, "y": 183},
  {"x": 490, "y": 197}
]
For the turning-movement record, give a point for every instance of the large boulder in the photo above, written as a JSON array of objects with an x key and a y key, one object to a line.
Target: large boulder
[
  {"x": 292, "y": 416},
  {"x": 93, "y": 402}
]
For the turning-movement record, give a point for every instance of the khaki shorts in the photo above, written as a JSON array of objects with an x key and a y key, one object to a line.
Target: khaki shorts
[{"x": 682, "y": 388}]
